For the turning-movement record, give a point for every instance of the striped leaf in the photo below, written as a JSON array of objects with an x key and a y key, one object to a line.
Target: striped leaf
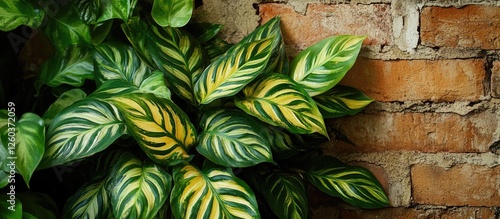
[
  {"x": 81, "y": 130},
  {"x": 279, "y": 101},
  {"x": 88, "y": 10},
  {"x": 71, "y": 67},
  {"x": 137, "y": 189},
  {"x": 160, "y": 127},
  {"x": 98, "y": 11},
  {"x": 321, "y": 66},
  {"x": 90, "y": 201},
  {"x": 180, "y": 57},
  {"x": 138, "y": 34},
  {"x": 65, "y": 100},
  {"x": 231, "y": 138},
  {"x": 282, "y": 143},
  {"x": 65, "y": 29},
  {"x": 341, "y": 101},
  {"x": 355, "y": 185},
  {"x": 287, "y": 195},
  {"x": 172, "y": 13},
  {"x": 154, "y": 84},
  {"x": 211, "y": 193},
  {"x": 231, "y": 72},
  {"x": 29, "y": 140},
  {"x": 19, "y": 12}
]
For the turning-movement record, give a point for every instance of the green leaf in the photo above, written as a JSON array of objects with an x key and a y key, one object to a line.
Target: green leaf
[
  {"x": 4, "y": 117},
  {"x": 355, "y": 185},
  {"x": 321, "y": 66},
  {"x": 100, "y": 31},
  {"x": 98, "y": 11},
  {"x": 180, "y": 57},
  {"x": 203, "y": 32},
  {"x": 10, "y": 210},
  {"x": 231, "y": 138},
  {"x": 81, "y": 130},
  {"x": 211, "y": 193},
  {"x": 279, "y": 101},
  {"x": 341, "y": 101},
  {"x": 138, "y": 34},
  {"x": 88, "y": 10},
  {"x": 39, "y": 205},
  {"x": 90, "y": 201},
  {"x": 231, "y": 72},
  {"x": 66, "y": 30},
  {"x": 160, "y": 127},
  {"x": 216, "y": 47},
  {"x": 287, "y": 195},
  {"x": 65, "y": 100},
  {"x": 282, "y": 143},
  {"x": 29, "y": 142},
  {"x": 71, "y": 67},
  {"x": 173, "y": 13},
  {"x": 137, "y": 189},
  {"x": 4, "y": 176},
  {"x": 154, "y": 84},
  {"x": 19, "y": 12}
]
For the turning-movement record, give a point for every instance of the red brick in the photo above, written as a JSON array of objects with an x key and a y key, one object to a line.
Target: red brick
[
  {"x": 461, "y": 185},
  {"x": 403, "y": 80},
  {"x": 322, "y": 20},
  {"x": 495, "y": 79},
  {"x": 425, "y": 132},
  {"x": 405, "y": 213},
  {"x": 472, "y": 26},
  {"x": 378, "y": 171}
]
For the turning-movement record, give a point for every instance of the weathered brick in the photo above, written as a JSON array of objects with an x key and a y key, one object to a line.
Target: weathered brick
[
  {"x": 420, "y": 213},
  {"x": 460, "y": 185},
  {"x": 404, "y": 80},
  {"x": 323, "y": 20},
  {"x": 425, "y": 132},
  {"x": 471, "y": 26},
  {"x": 378, "y": 171},
  {"x": 495, "y": 79}
]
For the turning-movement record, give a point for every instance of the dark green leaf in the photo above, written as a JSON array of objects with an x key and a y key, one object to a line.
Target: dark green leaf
[
  {"x": 65, "y": 100},
  {"x": 287, "y": 195},
  {"x": 10, "y": 207},
  {"x": 66, "y": 30},
  {"x": 340, "y": 101},
  {"x": 90, "y": 201},
  {"x": 38, "y": 205},
  {"x": 19, "y": 12},
  {"x": 203, "y": 32}
]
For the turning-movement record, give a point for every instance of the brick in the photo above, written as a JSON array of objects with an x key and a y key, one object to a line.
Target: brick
[
  {"x": 495, "y": 79},
  {"x": 323, "y": 20},
  {"x": 424, "y": 132},
  {"x": 378, "y": 171},
  {"x": 404, "y": 213},
  {"x": 404, "y": 80},
  {"x": 460, "y": 185},
  {"x": 471, "y": 26}
]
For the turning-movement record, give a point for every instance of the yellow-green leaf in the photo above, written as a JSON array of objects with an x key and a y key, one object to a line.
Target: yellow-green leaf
[
  {"x": 278, "y": 100},
  {"x": 172, "y": 13},
  {"x": 160, "y": 127},
  {"x": 321, "y": 66},
  {"x": 340, "y": 101},
  {"x": 90, "y": 201},
  {"x": 213, "y": 192},
  {"x": 19, "y": 12}
]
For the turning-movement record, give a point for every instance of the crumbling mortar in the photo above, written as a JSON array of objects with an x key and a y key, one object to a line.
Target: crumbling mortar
[{"x": 458, "y": 107}]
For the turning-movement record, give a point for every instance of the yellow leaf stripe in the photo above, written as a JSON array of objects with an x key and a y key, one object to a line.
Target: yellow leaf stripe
[
  {"x": 340, "y": 101},
  {"x": 213, "y": 193},
  {"x": 90, "y": 201},
  {"x": 138, "y": 190},
  {"x": 321, "y": 66},
  {"x": 279, "y": 101},
  {"x": 230, "y": 138},
  {"x": 160, "y": 127},
  {"x": 231, "y": 72},
  {"x": 85, "y": 128},
  {"x": 286, "y": 195}
]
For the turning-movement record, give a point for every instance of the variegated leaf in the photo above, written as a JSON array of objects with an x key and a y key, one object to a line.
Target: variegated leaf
[
  {"x": 138, "y": 34},
  {"x": 154, "y": 84},
  {"x": 287, "y": 195},
  {"x": 233, "y": 139},
  {"x": 340, "y": 101},
  {"x": 160, "y": 127},
  {"x": 65, "y": 100},
  {"x": 81, "y": 130},
  {"x": 88, "y": 10},
  {"x": 19, "y": 12},
  {"x": 282, "y": 143},
  {"x": 27, "y": 136},
  {"x": 355, "y": 185},
  {"x": 279, "y": 101},
  {"x": 137, "y": 189},
  {"x": 98, "y": 11},
  {"x": 65, "y": 29},
  {"x": 172, "y": 13},
  {"x": 71, "y": 67},
  {"x": 231, "y": 72},
  {"x": 321, "y": 66},
  {"x": 90, "y": 201},
  {"x": 211, "y": 193},
  {"x": 180, "y": 57}
]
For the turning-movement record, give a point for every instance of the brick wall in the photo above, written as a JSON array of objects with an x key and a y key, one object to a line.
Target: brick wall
[{"x": 433, "y": 135}]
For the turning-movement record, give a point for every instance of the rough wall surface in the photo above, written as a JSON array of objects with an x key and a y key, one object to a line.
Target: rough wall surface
[{"x": 433, "y": 135}]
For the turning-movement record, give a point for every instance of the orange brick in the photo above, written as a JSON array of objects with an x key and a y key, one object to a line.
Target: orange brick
[
  {"x": 425, "y": 132},
  {"x": 472, "y": 26},
  {"x": 377, "y": 171},
  {"x": 323, "y": 20},
  {"x": 495, "y": 79},
  {"x": 405, "y": 213},
  {"x": 461, "y": 185},
  {"x": 403, "y": 80}
]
